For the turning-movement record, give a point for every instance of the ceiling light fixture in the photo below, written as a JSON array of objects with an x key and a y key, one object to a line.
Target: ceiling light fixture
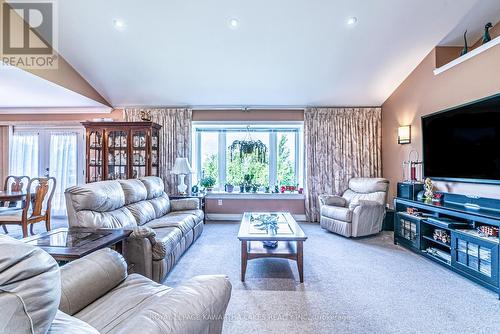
[
  {"x": 352, "y": 20},
  {"x": 234, "y": 23},
  {"x": 119, "y": 24}
]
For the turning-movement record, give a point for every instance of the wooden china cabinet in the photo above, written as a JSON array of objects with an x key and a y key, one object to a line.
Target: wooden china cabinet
[{"x": 121, "y": 150}]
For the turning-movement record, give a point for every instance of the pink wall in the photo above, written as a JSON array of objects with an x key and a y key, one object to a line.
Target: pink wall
[
  {"x": 250, "y": 115},
  {"x": 424, "y": 93},
  {"x": 238, "y": 206}
]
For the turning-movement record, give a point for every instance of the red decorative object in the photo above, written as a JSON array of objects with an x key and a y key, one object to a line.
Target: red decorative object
[
  {"x": 489, "y": 231},
  {"x": 283, "y": 188}
]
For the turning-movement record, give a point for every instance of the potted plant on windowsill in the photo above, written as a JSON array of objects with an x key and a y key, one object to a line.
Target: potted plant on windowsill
[
  {"x": 208, "y": 183},
  {"x": 229, "y": 187}
]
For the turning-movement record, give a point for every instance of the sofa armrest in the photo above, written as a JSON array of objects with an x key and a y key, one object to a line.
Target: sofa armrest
[
  {"x": 332, "y": 200},
  {"x": 184, "y": 204},
  {"x": 85, "y": 280},
  {"x": 196, "y": 306}
]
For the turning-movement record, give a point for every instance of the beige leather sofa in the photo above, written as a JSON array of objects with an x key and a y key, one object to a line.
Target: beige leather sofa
[
  {"x": 166, "y": 228},
  {"x": 95, "y": 295},
  {"x": 359, "y": 211}
]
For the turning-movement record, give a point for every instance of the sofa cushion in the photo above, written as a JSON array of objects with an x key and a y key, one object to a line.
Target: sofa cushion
[
  {"x": 133, "y": 190},
  {"x": 338, "y": 213},
  {"x": 161, "y": 205},
  {"x": 114, "y": 219},
  {"x": 122, "y": 303},
  {"x": 169, "y": 237},
  {"x": 30, "y": 287},
  {"x": 154, "y": 186},
  {"x": 143, "y": 212},
  {"x": 100, "y": 196},
  {"x": 139, "y": 305},
  {"x": 183, "y": 221},
  {"x": 64, "y": 324}
]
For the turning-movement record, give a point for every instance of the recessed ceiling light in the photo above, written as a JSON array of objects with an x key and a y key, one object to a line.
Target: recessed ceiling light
[
  {"x": 352, "y": 20},
  {"x": 119, "y": 24},
  {"x": 234, "y": 23}
]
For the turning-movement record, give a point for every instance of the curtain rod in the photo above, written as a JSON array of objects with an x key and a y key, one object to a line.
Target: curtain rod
[{"x": 242, "y": 108}]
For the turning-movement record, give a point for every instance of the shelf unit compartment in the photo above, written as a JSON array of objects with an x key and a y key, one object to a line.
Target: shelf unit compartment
[
  {"x": 475, "y": 256},
  {"x": 407, "y": 229}
]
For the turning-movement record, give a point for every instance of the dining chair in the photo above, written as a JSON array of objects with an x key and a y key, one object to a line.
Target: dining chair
[
  {"x": 16, "y": 183},
  {"x": 39, "y": 195}
]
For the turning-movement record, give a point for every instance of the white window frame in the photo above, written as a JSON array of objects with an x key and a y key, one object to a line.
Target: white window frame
[{"x": 223, "y": 127}]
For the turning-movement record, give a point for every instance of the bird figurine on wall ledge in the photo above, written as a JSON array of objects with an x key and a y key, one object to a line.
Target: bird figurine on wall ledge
[
  {"x": 466, "y": 48},
  {"x": 486, "y": 35}
]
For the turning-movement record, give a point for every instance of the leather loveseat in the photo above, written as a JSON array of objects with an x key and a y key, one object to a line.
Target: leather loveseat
[
  {"x": 359, "y": 211},
  {"x": 94, "y": 294},
  {"x": 163, "y": 229}
]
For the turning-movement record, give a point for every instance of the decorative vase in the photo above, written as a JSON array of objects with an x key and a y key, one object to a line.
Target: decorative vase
[{"x": 229, "y": 188}]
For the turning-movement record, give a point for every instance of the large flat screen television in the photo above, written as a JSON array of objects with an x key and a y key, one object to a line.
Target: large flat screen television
[{"x": 463, "y": 143}]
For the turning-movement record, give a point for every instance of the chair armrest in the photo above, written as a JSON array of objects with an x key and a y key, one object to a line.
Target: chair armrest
[
  {"x": 184, "y": 204},
  {"x": 332, "y": 200},
  {"x": 363, "y": 202},
  {"x": 85, "y": 280}
]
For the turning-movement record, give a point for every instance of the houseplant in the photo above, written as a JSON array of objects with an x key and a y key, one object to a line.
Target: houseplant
[
  {"x": 229, "y": 187},
  {"x": 208, "y": 183},
  {"x": 248, "y": 147}
]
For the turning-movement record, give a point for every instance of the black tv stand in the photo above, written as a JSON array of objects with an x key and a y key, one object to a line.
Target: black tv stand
[{"x": 466, "y": 251}]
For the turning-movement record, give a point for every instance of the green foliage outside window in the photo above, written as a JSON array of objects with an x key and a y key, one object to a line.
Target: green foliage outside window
[{"x": 240, "y": 166}]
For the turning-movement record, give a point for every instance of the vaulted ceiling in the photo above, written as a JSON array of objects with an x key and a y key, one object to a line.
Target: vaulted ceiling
[{"x": 282, "y": 52}]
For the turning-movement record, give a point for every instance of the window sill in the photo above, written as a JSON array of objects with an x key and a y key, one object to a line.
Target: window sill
[{"x": 258, "y": 195}]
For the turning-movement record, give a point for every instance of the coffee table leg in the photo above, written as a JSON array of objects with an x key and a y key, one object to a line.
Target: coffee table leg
[
  {"x": 244, "y": 258},
  {"x": 300, "y": 260}
]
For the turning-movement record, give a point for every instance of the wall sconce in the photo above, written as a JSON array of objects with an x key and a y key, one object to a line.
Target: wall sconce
[{"x": 404, "y": 134}]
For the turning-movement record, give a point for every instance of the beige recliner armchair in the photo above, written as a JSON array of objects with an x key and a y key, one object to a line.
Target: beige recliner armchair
[
  {"x": 359, "y": 211},
  {"x": 95, "y": 295}
]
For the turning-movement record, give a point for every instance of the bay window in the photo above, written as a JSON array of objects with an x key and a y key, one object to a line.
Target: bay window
[{"x": 281, "y": 165}]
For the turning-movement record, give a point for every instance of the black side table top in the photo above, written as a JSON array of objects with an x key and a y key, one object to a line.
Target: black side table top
[{"x": 67, "y": 244}]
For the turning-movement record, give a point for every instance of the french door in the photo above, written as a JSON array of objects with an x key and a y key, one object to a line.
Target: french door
[{"x": 56, "y": 152}]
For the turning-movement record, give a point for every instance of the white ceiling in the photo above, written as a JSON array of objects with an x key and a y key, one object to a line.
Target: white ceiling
[
  {"x": 21, "y": 92},
  {"x": 284, "y": 53}
]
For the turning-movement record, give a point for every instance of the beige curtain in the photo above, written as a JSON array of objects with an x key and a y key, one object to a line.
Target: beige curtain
[
  {"x": 4, "y": 153},
  {"x": 340, "y": 143},
  {"x": 175, "y": 139}
]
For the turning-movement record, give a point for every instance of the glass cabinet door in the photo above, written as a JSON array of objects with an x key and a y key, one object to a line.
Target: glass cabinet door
[
  {"x": 117, "y": 141},
  {"x": 95, "y": 155},
  {"x": 155, "y": 152},
  {"x": 139, "y": 153},
  {"x": 475, "y": 256},
  {"x": 408, "y": 230}
]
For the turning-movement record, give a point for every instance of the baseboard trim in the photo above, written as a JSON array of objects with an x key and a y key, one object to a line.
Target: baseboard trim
[{"x": 237, "y": 216}]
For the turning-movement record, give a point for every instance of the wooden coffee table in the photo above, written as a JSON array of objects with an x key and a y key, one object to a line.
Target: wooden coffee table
[
  {"x": 290, "y": 241},
  {"x": 68, "y": 244}
]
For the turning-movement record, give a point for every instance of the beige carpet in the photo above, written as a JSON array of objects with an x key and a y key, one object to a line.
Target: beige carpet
[{"x": 351, "y": 286}]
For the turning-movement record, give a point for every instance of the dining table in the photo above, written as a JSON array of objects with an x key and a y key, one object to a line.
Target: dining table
[{"x": 12, "y": 196}]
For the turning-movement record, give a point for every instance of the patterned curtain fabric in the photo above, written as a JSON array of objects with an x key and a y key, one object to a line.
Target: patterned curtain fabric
[
  {"x": 340, "y": 143},
  {"x": 4, "y": 153},
  {"x": 175, "y": 139}
]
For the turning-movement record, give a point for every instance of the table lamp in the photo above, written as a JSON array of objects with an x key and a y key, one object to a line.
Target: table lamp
[{"x": 181, "y": 168}]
